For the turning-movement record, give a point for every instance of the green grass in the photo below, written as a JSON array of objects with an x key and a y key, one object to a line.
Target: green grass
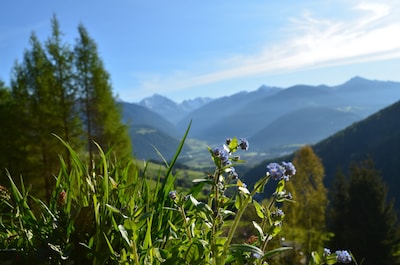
[{"x": 124, "y": 211}]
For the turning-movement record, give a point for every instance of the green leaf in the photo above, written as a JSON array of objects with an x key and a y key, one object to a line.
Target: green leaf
[
  {"x": 281, "y": 186},
  {"x": 260, "y": 184},
  {"x": 208, "y": 181},
  {"x": 331, "y": 259},
  {"x": 315, "y": 259},
  {"x": 238, "y": 201},
  {"x": 258, "y": 208},
  {"x": 259, "y": 230},
  {"x": 109, "y": 244},
  {"x": 274, "y": 230},
  {"x": 192, "y": 253},
  {"x": 233, "y": 145},
  {"x": 276, "y": 251},
  {"x": 124, "y": 234},
  {"x": 115, "y": 210},
  {"x": 246, "y": 248},
  {"x": 169, "y": 179}
]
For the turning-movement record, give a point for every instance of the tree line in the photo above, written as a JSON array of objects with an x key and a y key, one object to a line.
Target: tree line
[
  {"x": 355, "y": 214},
  {"x": 58, "y": 89}
]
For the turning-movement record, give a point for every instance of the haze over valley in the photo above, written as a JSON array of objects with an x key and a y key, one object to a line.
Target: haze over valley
[{"x": 275, "y": 120}]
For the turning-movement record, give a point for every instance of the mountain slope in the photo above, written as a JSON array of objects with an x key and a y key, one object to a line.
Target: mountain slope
[
  {"x": 376, "y": 137},
  {"x": 146, "y": 139},
  {"x": 244, "y": 116},
  {"x": 304, "y": 126},
  {"x": 206, "y": 120},
  {"x": 134, "y": 114}
]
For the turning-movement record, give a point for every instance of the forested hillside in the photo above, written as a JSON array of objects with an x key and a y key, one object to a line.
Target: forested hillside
[{"x": 376, "y": 137}]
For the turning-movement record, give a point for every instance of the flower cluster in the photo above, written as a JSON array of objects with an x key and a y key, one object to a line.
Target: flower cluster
[
  {"x": 343, "y": 256},
  {"x": 284, "y": 171},
  {"x": 224, "y": 152}
]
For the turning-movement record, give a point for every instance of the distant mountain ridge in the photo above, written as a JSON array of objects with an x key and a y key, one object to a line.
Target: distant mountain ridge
[
  {"x": 171, "y": 110},
  {"x": 277, "y": 120}
]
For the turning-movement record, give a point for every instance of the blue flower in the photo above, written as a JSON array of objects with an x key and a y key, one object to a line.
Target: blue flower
[
  {"x": 343, "y": 256},
  {"x": 221, "y": 153},
  {"x": 172, "y": 195},
  {"x": 275, "y": 170},
  {"x": 290, "y": 170},
  {"x": 256, "y": 255},
  {"x": 244, "y": 144},
  {"x": 327, "y": 251}
]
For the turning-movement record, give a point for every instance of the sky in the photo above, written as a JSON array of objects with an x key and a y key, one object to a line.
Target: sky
[{"x": 185, "y": 49}]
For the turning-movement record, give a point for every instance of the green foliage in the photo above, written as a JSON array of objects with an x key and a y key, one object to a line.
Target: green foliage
[
  {"x": 306, "y": 217},
  {"x": 109, "y": 214},
  {"x": 362, "y": 219},
  {"x": 46, "y": 97},
  {"x": 101, "y": 115}
]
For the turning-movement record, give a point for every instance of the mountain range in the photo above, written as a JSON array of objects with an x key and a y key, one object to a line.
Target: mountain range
[
  {"x": 377, "y": 138},
  {"x": 275, "y": 120}
]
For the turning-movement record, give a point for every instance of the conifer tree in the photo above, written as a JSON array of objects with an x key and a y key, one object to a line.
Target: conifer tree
[
  {"x": 101, "y": 114},
  {"x": 33, "y": 83},
  {"x": 367, "y": 224},
  {"x": 63, "y": 87},
  {"x": 6, "y": 135},
  {"x": 306, "y": 217},
  {"x": 338, "y": 210}
]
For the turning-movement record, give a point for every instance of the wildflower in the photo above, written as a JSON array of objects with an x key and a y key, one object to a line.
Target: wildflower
[
  {"x": 234, "y": 174},
  {"x": 172, "y": 195},
  {"x": 278, "y": 213},
  {"x": 290, "y": 170},
  {"x": 256, "y": 255},
  {"x": 327, "y": 251},
  {"x": 275, "y": 170},
  {"x": 343, "y": 256},
  {"x": 221, "y": 153},
  {"x": 244, "y": 144}
]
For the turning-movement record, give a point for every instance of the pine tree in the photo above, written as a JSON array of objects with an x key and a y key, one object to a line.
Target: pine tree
[
  {"x": 306, "y": 217},
  {"x": 6, "y": 135},
  {"x": 367, "y": 224},
  {"x": 338, "y": 211},
  {"x": 33, "y": 83},
  {"x": 102, "y": 116},
  {"x": 63, "y": 88}
]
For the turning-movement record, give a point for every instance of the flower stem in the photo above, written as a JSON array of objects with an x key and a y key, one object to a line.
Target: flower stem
[{"x": 240, "y": 212}]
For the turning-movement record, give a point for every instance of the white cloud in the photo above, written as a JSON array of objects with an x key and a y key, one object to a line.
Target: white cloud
[{"x": 371, "y": 34}]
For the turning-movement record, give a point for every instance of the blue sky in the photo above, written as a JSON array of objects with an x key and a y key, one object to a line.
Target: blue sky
[{"x": 184, "y": 49}]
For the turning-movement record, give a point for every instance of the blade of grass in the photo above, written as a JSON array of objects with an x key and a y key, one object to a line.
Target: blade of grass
[{"x": 20, "y": 199}]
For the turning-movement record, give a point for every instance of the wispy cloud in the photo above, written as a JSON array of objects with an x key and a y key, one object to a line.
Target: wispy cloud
[{"x": 369, "y": 35}]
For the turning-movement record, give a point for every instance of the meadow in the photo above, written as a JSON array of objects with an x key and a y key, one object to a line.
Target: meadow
[{"x": 120, "y": 212}]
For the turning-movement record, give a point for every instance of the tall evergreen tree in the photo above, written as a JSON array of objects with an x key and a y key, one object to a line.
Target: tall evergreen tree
[
  {"x": 33, "y": 83},
  {"x": 306, "y": 217},
  {"x": 339, "y": 211},
  {"x": 63, "y": 87},
  {"x": 370, "y": 228},
  {"x": 6, "y": 135},
  {"x": 101, "y": 114}
]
